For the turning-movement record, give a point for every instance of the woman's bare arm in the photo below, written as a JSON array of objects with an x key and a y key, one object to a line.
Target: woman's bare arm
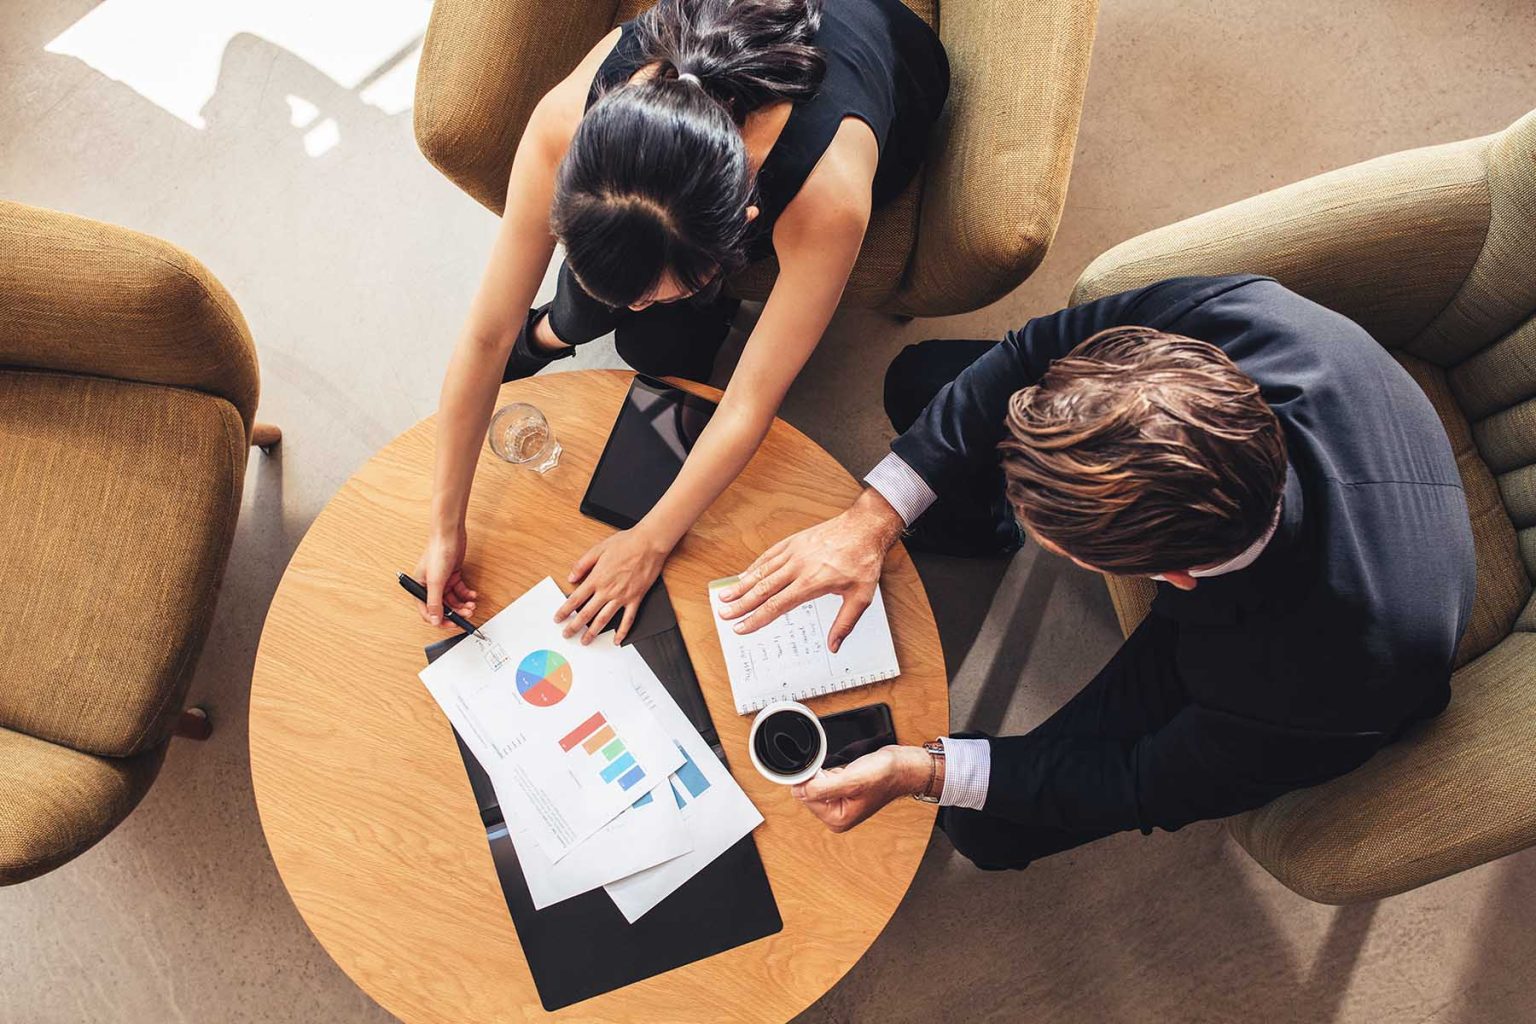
[
  {"x": 817, "y": 239},
  {"x": 519, "y": 257}
]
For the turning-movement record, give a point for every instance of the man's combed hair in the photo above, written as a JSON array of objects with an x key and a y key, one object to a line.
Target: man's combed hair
[{"x": 1143, "y": 452}]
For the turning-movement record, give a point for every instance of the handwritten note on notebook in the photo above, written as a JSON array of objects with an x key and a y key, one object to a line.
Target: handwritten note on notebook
[{"x": 788, "y": 659}]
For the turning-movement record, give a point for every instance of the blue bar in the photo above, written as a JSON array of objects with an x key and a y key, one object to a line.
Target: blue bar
[
  {"x": 690, "y": 776},
  {"x": 676, "y": 795},
  {"x": 642, "y": 801},
  {"x": 633, "y": 777},
  {"x": 618, "y": 767}
]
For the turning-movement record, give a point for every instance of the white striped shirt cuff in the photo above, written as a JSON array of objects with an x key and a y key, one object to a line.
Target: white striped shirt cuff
[
  {"x": 967, "y": 770},
  {"x": 899, "y": 484}
]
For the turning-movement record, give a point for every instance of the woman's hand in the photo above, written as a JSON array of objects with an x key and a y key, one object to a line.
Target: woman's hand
[
  {"x": 611, "y": 578},
  {"x": 440, "y": 570}
]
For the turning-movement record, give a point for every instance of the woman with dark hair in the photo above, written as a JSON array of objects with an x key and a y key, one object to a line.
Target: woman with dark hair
[{"x": 701, "y": 135}]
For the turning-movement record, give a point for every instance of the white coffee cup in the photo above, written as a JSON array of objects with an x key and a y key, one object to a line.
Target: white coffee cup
[{"x": 789, "y": 744}]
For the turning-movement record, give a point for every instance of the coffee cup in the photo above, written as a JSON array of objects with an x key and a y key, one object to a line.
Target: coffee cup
[{"x": 787, "y": 744}]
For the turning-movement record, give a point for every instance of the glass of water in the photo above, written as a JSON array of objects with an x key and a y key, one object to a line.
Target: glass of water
[{"x": 521, "y": 435}]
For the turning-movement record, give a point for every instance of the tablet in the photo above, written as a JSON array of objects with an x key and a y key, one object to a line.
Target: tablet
[{"x": 656, "y": 429}]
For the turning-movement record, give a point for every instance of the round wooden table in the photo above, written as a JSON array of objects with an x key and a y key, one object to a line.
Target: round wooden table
[{"x": 364, "y": 800}]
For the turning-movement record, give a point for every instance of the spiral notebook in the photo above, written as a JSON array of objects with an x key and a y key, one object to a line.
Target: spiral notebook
[{"x": 788, "y": 659}]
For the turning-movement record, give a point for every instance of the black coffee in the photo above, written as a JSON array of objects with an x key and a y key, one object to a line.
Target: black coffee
[{"x": 787, "y": 742}]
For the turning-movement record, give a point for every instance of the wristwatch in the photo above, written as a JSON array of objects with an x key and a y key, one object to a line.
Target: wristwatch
[{"x": 935, "y": 750}]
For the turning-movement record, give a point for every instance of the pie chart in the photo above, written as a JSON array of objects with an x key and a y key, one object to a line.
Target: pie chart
[{"x": 543, "y": 678}]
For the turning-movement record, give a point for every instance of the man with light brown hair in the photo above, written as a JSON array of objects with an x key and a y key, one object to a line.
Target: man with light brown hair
[{"x": 1278, "y": 473}]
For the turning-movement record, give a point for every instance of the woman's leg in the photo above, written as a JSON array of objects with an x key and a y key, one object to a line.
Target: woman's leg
[
  {"x": 574, "y": 317},
  {"x": 677, "y": 339}
]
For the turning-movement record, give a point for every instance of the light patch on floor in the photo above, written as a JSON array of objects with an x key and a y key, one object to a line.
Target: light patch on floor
[{"x": 168, "y": 51}]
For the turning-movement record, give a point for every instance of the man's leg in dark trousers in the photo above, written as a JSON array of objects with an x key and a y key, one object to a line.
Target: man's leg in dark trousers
[
  {"x": 1135, "y": 694},
  {"x": 974, "y": 519}
]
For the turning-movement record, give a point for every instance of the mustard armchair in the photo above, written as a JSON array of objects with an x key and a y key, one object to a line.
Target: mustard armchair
[
  {"x": 128, "y": 387},
  {"x": 1432, "y": 251},
  {"x": 969, "y": 229}
]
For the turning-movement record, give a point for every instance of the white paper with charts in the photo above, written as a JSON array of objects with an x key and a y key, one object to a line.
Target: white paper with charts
[
  {"x": 714, "y": 808},
  {"x": 565, "y": 740},
  {"x": 788, "y": 659},
  {"x": 647, "y": 834}
]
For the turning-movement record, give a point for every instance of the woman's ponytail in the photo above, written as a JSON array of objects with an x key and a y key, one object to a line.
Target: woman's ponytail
[{"x": 744, "y": 53}]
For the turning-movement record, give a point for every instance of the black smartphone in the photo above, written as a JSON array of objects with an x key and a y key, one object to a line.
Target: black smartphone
[{"x": 852, "y": 734}]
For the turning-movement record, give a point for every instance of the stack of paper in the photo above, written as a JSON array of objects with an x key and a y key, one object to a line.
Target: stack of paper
[{"x": 601, "y": 778}]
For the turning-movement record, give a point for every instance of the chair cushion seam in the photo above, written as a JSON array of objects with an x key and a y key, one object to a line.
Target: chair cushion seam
[{"x": 1482, "y": 251}]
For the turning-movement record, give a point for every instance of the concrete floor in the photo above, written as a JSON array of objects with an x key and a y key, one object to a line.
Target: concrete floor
[{"x": 354, "y": 267}]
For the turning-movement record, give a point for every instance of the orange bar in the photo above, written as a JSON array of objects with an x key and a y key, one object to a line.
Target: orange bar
[{"x": 598, "y": 740}]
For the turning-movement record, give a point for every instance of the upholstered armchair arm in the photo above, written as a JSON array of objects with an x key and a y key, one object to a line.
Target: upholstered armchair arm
[
  {"x": 484, "y": 66},
  {"x": 1452, "y": 795},
  {"x": 1388, "y": 242},
  {"x": 80, "y": 296},
  {"x": 1001, "y": 155}
]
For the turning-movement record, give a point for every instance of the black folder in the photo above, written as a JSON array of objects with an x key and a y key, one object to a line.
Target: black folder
[{"x": 582, "y": 947}]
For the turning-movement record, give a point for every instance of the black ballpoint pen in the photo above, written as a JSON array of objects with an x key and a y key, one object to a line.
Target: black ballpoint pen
[{"x": 419, "y": 592}]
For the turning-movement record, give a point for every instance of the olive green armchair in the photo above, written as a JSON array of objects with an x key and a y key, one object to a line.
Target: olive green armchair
[
  {"x": 128, "y": 390},
  {"x": 968, "y": 230},
  {"x": 1434, "y": 252}
]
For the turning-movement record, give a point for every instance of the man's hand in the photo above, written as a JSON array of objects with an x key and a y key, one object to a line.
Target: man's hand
[
  {"x": 843, "y": 797},
  {"x": 840, "y": 556}
]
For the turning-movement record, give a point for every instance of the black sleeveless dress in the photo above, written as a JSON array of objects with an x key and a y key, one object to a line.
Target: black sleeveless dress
[{"x": 885, "y": 66}]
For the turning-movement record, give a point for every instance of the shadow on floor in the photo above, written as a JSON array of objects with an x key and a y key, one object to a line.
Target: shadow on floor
[{"x": 1121, "y": 932}]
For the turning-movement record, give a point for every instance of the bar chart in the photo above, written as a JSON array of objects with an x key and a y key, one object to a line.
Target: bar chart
[
  {"x": 691, "y": 778},
  {"x": 605, "y": 751}
]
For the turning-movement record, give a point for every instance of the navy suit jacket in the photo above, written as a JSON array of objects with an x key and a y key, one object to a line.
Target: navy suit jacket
[{"x": 1299, "y": 667}]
